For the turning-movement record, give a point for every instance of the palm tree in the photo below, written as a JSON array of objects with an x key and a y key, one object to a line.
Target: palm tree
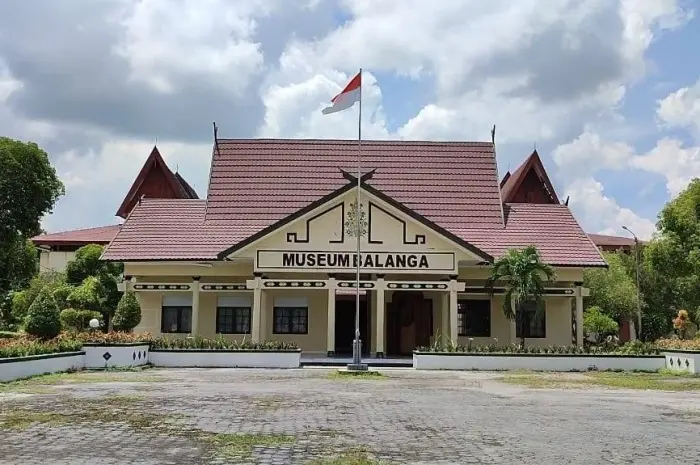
[{"x": 523, "y": 274}]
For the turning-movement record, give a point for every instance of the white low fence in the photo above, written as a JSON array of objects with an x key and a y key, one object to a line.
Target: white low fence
[
  {"x": 115, "y": 355},
  {"x": 25, "y": 367},
  {"x": 206, "y": 358},
  {"x": 537, "y": 362},
  {"x": 680, "y": 360}
]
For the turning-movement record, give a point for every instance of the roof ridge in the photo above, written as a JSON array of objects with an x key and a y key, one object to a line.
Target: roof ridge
[
  {"x": 354, "y": 141},
  {"x": 79, "y": 229}
]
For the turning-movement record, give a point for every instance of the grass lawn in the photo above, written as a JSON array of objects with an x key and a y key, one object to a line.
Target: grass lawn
[
  {"x": 42, "y": 384},
  {"x": 661, "y": 381},
  {"x": 341, "y": 374}
]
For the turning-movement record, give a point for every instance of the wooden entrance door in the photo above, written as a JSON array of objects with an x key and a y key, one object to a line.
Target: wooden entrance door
[{"x": 409, "y": 322}]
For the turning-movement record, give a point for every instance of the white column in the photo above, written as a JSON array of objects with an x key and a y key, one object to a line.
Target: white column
[
  {"x": 195, "y": 306},
  {"x": 444, "y": 316},
  {"x": 453, "y": 311},
  {"x": 330, "y": 334},
  {"x": 579, "y": 316},
  {"x": 380, "y": 308},
  {"x": 255, "y": 317}
]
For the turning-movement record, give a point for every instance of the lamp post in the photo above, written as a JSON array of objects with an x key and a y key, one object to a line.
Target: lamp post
[{"x": 639, "y": 297}]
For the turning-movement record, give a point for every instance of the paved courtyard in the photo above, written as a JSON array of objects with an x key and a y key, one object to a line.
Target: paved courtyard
[{"x": 202, "y": 416}]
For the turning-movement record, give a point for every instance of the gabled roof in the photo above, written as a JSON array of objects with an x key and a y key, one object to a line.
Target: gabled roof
[
  {"x": 551, "y": 228},
  {"x": 605, "y": 240},
  {"x": 155, "y": 170},
  {"x": 256, "y": 182},
  {"x": 257, "y": 185},
  {"x": 513, "y": 186},
  {"x": 99, "y": 235}
]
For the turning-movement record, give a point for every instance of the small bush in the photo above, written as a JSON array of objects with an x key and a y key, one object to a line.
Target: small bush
[
  {"x": 128, "y": 314},
  {"x": 112, "y": 337},
  {"x": 87, "y": 295},
  {"x": 599, "y": 324},
  {"x": 60, "y": 295},
  {"x": 631, "y": 348},
  {"x": 220, "y": 343},
  {"x": 78, "y": 320},
  {"x": 679, "y": 344},
  {"x": 26, "y": 346},
  {"x": 43, "y": 318}
]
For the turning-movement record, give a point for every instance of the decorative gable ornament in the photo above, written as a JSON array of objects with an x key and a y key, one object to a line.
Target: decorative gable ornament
[{"x": 351, "y": 226}]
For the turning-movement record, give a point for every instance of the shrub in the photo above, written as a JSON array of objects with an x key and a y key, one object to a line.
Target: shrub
[
  {"x": 631, "y": 348},
  {"x": 43, "y": 318},
  {"x": 597, "y": 323},
  {"x": 78, "y": 320},
  {"x": 128, "y": 314},
  {"x": 26, "y": 346},
  {"x": 87, "y": 295},
  {"x": 60, "y": 295},
  {"x": 112, "y": 337},
  {"x": 220, "y": 343},
  {"x": 679, "y": 344}
]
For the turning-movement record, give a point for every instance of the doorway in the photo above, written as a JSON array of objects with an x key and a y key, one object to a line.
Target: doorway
[
  {"x": 409, "y": 322},
  {"x": 345, "y": 325}
]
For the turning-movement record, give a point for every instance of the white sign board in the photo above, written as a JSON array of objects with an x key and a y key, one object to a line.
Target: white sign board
[{"x": 339, "y": 261}]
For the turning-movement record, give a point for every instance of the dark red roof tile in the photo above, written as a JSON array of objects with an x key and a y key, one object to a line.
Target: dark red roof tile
[{"x": 99, "y": 235}]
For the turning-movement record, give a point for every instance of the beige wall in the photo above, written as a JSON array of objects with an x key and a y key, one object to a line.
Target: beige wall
[
  {"x": 558, "y": 319},
  {"x": 54, "y": 261}
]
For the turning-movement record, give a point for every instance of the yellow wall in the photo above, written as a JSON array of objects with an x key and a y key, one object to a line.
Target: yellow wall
[{"x": 54, "y": 261}]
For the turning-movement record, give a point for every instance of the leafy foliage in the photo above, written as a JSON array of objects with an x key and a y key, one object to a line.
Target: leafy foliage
[
  {"x": 112, "y": 337},
  {"x": 597, "y": 323},
  {"x": 61, "y": 293},
  {"x": 87, "y": 263},
  {"x": 630, "y": 348},
  {"x": 524, "y": 275},
  {"x": 43, "y": 318},
  {"x": 612, "y": 290},
  {"x": 679, "y": 344},
  {"x": 128, "y": 314},
  {"x": 23, "y": 299},
  {"x": 87, "y": 296},
  {"x": 78, "y": 320},
  {"x": 220, "y": 343},
  {"x": 26, "y": 346},
  {"x": 29, "y": 189}
]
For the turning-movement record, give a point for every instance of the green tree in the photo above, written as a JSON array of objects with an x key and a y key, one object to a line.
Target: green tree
[
  {"x": 524, "y": 275},
  {"x": 612, "y": 290},
  {"x": 128, "y": 314},
  {"x": 29, "y": 188},
  {"x": 599, "y": 324},
  {"x": 43, "y": 318},
  {"x": 21, "y": 300},
  {"x": 87, "y": 296},
  {"x": 78, "y": 320}
]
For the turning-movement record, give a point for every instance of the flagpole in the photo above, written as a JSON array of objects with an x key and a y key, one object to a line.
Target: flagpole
[{"x": 357, "y": 343}]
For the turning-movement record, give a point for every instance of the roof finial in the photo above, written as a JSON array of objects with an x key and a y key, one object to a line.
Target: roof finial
[
  {"x": 534, "y": 146},
  {"x": 177, "y": 167},
  {"x": 493, "y": 135}
]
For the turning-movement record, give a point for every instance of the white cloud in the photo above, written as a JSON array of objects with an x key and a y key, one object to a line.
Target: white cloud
[
  {"x": 682, "y": 107},
  {"x": 602, "y": 214},
  {"x": 210, "y": 38}
]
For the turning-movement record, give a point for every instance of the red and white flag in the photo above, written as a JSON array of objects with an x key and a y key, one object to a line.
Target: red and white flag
[{"x": 348, "y": 97}]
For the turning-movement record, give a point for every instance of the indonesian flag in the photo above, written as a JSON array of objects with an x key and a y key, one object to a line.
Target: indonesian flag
[{"x": 347, "y": 97}]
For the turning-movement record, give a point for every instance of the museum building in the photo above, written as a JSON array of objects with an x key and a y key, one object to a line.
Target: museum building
[{"x": 270, "y": 253}]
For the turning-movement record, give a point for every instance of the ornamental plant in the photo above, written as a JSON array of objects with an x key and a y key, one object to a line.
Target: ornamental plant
[
  {"x": 128, "y": 314},
  {"x": 43, "y": 317},
  {"x": 26, "y": 346},
  {"x": 78, "y": 320},
  {"x": 681, "y": 324},
  {"x": 598, "y": 324},
  {"x": 112, "y": 337},
  {"x": 219, "y": 343}
]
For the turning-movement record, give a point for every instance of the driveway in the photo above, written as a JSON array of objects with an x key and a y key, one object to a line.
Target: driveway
[{"x": 201, "y": 416}]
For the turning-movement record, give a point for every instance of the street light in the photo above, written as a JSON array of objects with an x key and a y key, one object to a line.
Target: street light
[{"x": 636, "y": 262}]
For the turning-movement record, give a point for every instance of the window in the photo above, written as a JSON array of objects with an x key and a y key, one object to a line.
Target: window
[
  {"x": 291, "y": 320},
  {"x": 291, "y": 316},
  {"x": 233, "y": 315},
  {"x": 176, "y": 314},
  {"x": 474, "y": 318},
  {"x": 535, "y": 322}
]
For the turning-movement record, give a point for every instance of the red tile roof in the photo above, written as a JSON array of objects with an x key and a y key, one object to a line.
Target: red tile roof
[
  {"x": 99, "y": 235},
  {"x": 602, "y": 240},
  {"x": 178, "y": 187},
  {"x": 257, "y": 183},
  {"x": 511, "y": 183},
  {"x": 261, "y": 181}
]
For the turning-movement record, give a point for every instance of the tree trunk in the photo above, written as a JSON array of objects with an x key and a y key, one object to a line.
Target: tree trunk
[
  {"x": 520, "y": 321},
  {"x": 633, "y": 330}
]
